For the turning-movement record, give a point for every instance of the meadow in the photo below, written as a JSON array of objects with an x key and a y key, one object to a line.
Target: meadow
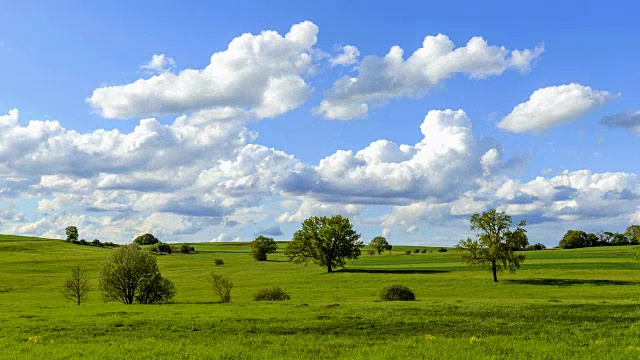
[{"x": 562, "y": 304}]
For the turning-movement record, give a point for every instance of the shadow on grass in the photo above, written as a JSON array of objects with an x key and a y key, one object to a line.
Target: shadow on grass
[
  {"x": 569, "y": 282},
  {"x": 392, "y": 271}
]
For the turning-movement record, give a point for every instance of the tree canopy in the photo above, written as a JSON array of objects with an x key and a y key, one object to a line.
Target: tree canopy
[
  {"x": 495, "y": 244},
  {"x": 379, "y": 244},
  {"x": 262, "y": 246},
  {"x": 72, "y": 233},
  {"x": 146, "y": 239},
  {"x": 325, "y": 241}
]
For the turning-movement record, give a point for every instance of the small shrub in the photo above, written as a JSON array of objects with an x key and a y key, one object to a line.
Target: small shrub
[
  {"x": 408, "y": 252},
  {"x": 222, "y": 286},
  {"x": 442, "y": 250},
  {"x": 424, "y": 251},
  {"x": 396, "y": 292},
  {"x": 161, "y": 248},
  {"x": 155, "y": 290},
  {"x": 218, "y": 262},
  {"x": 371, "y": 252},
  {"x": 416, "y": 251},
  {"x": 271, "y": 294},
  {"x": 187, "y": 249}
]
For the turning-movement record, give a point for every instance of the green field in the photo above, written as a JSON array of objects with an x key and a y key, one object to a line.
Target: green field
[{"x": 562, "y": 304}]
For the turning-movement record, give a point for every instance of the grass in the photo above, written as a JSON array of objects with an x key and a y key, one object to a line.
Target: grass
[{"x": 562, "y": 304}]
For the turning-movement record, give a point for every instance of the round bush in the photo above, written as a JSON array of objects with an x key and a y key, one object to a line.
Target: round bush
[
  {"x": 416, "y": 251},
  {"x": 442, "y": 250},
  {"x": 371, "y": 252},
  {"x": 397, "y": 292},
  {"x": 218, "y": 262},
  {"x": 408, "y": 252},
  {"x": 271, "y": 294},
  {"x": 423, "y": 251}
]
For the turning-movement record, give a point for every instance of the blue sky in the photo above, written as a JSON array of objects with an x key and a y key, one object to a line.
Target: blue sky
[{"x": 530, "y": 140}]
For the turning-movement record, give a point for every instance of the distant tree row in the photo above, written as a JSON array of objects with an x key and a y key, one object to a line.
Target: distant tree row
[
  {"x": 72, "y": 237},
  {"x": 578, "y": 239}
]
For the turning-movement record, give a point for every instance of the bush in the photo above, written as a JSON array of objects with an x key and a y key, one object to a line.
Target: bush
[
  {"x": 408, "y": 252},
  {"x": 535, "y": 247},
  {"x": 424, "y": 251},
  {"x": 161, "y": 248},
  {"x": 218, "y": 262},
  {"x": 371, "y": 252},
  {"x": 442, "y": 250},
  {"x": 155, "y": 289},
  {"x": 262, "y": 246},
  {"x": 396, "y": 293},
  {"x": 222, "y": 286},
  {"x": 416, "y": 251},
  {"x": 187, "y": 249},
  {"x": 271, "y": 294}
]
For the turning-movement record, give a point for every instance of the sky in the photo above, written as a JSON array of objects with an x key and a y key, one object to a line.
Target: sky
[{"x": 220, "y": 121}]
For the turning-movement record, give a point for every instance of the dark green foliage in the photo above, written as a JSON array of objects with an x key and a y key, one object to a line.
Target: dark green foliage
[
  {"x": 218, "y": 262},
  {"x": 495, "y": 243},
  {"x": 407, "y": 252},
  {"x": 325, "y": 241},
  {"x": 72, "y": 233},
  {"x": 161, "y": 248},
  {"x": 537, "y": 246},
  {"x": 187, "y": 249},
  {"x": 262, "y": 246},
  {"x": 423, "y": 251},
  {"x": 126, "y": 272},
  {"x": 396, "y": 292},
  {"x": 146, "y": 239},
  {"x": 633, "y": 234},
  {"x": 442, "y": 249},
  {"x": 271, "y": 294},
  {"x": 389, "y": 247},
  {"x": 222, "y": 286},
  {"x": 155, "y": 290},
  {"x": 371, "y": 252},
  {"x": 416, "y": 251},
  {"x": 379, "y": 244},
  {"x": 573, "y": 239},
  {"x": 96, "y": 243}
]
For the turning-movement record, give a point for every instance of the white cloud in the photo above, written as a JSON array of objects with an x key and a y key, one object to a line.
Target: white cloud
[
  {"x": 348, "y": 56},
  {"x": 552, "y": 106},
  {"x": 159, "y": 64},
  {"x": 263, "y": 74},
  {"x": 380, "y": 79},
  {"x": 225, "y": 238}
]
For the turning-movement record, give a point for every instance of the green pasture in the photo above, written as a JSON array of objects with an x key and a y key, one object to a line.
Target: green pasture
[{"x": 562, "y": 304}]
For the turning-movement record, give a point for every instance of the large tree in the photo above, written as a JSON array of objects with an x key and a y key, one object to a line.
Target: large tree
[
  {"x": 495, "y": 242},
  {"x": 72, "y": 233},
  {"x": 633, "y": 234},
  {"x": 262, "y": 246},
  {"x": 146, "y": 239},
  {"x": 573, "y": 239},
  {"x": 325, "y": 241},
  {"x": 379, "y": 244},
  {"x": 132, "y": 274}
]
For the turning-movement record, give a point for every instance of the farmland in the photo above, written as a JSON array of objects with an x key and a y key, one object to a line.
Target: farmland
[{"x": 579, "y": 303}]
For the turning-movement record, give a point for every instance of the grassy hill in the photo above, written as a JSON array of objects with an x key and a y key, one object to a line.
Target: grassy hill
[{"x": 562, "y": 304}]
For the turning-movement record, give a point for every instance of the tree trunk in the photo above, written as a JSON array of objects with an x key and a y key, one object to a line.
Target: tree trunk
[
  {"x": 494, "y": 270},
  {"x": 329, "y": 268}
]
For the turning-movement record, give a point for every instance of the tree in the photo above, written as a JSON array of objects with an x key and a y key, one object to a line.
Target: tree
[
  {"x": 222, "y": 286},
  {"x": 573, "y": 239},
  {"x": 325, "y": 241},
  {"x": 146, "y": 239},
  {"x": 127, "y": 274},
  {"x": 262, "y": 246},
  {"x": 495, "y": 242},
  {"x": 379, "y": 244},
  {"x": 633, "y": 234},
  {"x": 72, "y": 233},
  {"x": 155, "y": 289},
  {"x": 76, "y": 287}
]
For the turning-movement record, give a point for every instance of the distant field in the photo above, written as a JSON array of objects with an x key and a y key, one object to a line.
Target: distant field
[{"x": 562, "y": 304}]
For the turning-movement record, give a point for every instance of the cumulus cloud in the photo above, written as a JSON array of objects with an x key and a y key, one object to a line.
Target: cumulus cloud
[
  {"x": 384, "y": 78},
  {"x": 263, "y": 74},
  {"x": 225, "y": 238},
  {"x": 158, "y": 64},
  {"x": 553, "y": 106},
  {"x": 270, "y": 231},
  {"x": 348, "y": 56},
  {"x": 628, "y": 120}
]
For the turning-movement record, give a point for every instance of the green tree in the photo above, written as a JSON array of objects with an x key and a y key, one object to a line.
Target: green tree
[
  {"x": 495, "y": 242},
  {"x": 633, "y": 234},
  {"x": 573, "y": 239},
  {"x": 379, "y": 244},
  {"x": 222, "y": 286},
  {"x": 146, "y": 239},
  {"x": 72, "y": 233},
  {"x": 325, "y": 241},
  {"x": 128, "y": 275},
  {"x": 76, "y": 287},
  {"x": 262, "y": 246}
]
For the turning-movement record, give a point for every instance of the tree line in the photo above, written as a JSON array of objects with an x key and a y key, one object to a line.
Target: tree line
[{"x": 573, "y": 239}]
